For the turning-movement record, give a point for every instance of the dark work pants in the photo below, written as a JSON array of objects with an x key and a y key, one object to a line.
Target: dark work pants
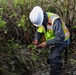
[{"x": 55, "y": 58}]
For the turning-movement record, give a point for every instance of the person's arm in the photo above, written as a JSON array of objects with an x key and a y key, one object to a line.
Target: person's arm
[
  {"x": 59, "y": 34},
  {"x": 38, "y": 36}
]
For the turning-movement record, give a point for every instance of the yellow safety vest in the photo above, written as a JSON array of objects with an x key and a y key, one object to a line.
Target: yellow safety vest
[{"x": 50, "y": 33}]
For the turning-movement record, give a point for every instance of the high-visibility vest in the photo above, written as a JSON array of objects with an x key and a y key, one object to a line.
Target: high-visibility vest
[{"x": 49, "y": 34}]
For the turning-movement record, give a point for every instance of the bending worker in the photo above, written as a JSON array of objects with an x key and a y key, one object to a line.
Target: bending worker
[{"x": 56, "y": 34}]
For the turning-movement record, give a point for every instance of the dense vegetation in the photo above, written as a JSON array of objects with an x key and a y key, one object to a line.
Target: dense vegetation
[{"x": 18, "y": 55}]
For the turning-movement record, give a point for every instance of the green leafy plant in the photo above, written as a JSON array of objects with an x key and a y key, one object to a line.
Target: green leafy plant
[
  {"x": 1, "y": 10},
  {"x": 2, "y": 23},
  {"x": 12, "y": 45},
  {"x": 32, "y": 47},
  {"x": 74, "y": 27},
  {"x": 22, "y": 23}
]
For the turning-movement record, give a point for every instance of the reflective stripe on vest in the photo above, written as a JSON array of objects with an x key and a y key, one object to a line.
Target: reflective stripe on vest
[
  {"x": 49, "y": 27},
  {"x": 53, "y": 17},
  {"x": 51, "y": 20},
  {"x": 66, "y": 32}
]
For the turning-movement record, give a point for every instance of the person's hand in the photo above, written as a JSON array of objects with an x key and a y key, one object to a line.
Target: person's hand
[
  {"x": 35, "y": 42},
  {"x": 42, "y": 45}
]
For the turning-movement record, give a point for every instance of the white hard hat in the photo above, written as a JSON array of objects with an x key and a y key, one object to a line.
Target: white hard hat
[{"x": 36, "y": 16}]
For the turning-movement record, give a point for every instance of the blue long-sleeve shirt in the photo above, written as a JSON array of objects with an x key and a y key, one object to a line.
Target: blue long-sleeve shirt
[{"x": 59, "y": 33}]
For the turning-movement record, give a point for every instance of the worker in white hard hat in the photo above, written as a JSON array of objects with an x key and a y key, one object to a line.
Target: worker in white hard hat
[{"x": 56, "y": 35}]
